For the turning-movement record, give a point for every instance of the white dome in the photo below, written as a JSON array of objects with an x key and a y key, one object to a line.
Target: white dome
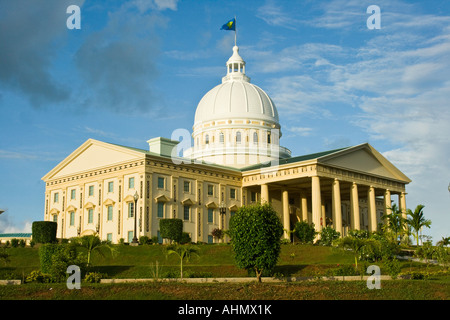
[
  {"x": 236, "y": 123},
  {"x": 236, "y": 99}
]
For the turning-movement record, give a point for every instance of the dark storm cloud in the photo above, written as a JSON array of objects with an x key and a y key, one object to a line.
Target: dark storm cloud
[
  {"x": 114, "y": 67},
  {"x": 28, "y": 37}
]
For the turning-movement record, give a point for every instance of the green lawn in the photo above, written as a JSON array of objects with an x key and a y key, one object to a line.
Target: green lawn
[{"x": 217, "y": 261}]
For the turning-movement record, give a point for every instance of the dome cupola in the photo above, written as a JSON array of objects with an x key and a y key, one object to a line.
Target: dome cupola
[{"x": 236, "y": 120}]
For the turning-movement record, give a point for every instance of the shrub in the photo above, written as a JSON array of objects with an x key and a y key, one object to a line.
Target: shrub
[
  {"x": 304, "y": 232},
  {"x": 144, "y": 240},
  {"x": 55, "y": 258},
  {"x": 328, "y": 235},
  {"x": 217, "y": 233},
  {"x": 94, "y": 277},
  {"x": 393, "y": 267},
  {"x": 38, "y": 276},
  {"x": 14, "y": 243},
  {"x": 171, "y": 229},
  {"x": 22, "y": 243},
  {"x": 185, "y": 238},
  {"x": 44, "y": 231},
  {"x": 255, "y": 233}
]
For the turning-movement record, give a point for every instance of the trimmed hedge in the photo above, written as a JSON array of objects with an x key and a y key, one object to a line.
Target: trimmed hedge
[
  {"x": 44, "y": 231},
  {"x": 171, "y": 229},
  {"x": 55, "y": 258}
]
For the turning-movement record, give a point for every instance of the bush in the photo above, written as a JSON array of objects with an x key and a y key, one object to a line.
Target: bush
[
  {"x": 393, "y": 267},
  {"x": 255, "y": 233},
  {"x": 55, "y": 258},
  {"x": 171, "y": 229},
  {"x": 145, "y": 240},
  {"x": 94, "y": 277},
  {"x": 14, "y": 243},
  {"x": 304, "y": 232},
  {"x": 185, "y": 238},
  {"x": 44, "y": 231},
  {"x": 328, "y": 235},
  {"x": 38, "y": 276}
]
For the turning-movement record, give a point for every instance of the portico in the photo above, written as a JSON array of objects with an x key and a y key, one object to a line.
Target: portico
[{"x": 317, "y": 190}]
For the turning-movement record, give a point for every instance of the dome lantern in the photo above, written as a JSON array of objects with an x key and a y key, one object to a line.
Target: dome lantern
[{"x": 235, "y": 67}]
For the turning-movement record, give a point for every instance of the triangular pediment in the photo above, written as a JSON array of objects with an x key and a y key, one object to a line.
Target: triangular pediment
[
  {"x": 92, "y": 155},
  {"x": 364, "y": 158}
]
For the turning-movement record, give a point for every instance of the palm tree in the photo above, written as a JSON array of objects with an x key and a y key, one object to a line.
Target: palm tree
[
  {"x": 92, "y": 243},
  {"x": 395, "y": 221},
  {"x": 183, "y": 252},
  {"x": 417, "y": 220}
]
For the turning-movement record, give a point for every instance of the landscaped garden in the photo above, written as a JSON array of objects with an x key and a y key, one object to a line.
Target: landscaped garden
[{"x": 299, "y": 266}]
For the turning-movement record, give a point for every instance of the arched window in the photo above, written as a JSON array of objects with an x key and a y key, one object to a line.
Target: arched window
[
  {"x": 268, "y": 137},
  {"x": 207, "y": 139},
  {"x": 221, "y": 138},
  {"x": 238, "y": 137},
  {"x": 255, "y": 137}
]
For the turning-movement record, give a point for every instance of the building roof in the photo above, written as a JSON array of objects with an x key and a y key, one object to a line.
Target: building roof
[
  {"x": 294, "y": 159},
  {"x": 15, "y": 235}
]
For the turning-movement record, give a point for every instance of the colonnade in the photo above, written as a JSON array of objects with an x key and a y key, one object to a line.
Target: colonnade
[{"x": 317, "y": 206}]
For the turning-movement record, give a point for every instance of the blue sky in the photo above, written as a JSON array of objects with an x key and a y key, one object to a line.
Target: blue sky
[{"x": 137, "y": 69}]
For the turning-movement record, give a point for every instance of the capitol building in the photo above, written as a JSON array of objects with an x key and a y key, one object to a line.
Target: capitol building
[{"x": 236, "y": 159}]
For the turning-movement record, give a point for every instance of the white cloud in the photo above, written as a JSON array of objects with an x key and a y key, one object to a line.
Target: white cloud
[{"x": 144, "y": 5}]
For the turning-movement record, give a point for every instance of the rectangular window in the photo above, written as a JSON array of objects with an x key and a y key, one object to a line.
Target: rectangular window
[
  {"x": 160, "y": 239},
  {"x": 210, "y": 190},
  {"x": 130, "y": 209},
  {"x": 233, "y": 193},
  {"x": 110, "y": 213},
  {"x": 55, "y": 218},
  {"x": 91, "y": 190},
  {"x": 210, "y": 215},
  {"x": 160, "y": 213},
  {"x": 186, "y": 186},
  {"x": 56, "y": 197},
  {"x": 109, "y": 237},
  {"x": 90, "y": 216},
  {"x": 111, "y": 186},
  {"x": 72, "y": 194},
  {"x": 186, "y": 212},
  {"x": 253, "y": 196},
  {"x": 72, "y": 218},
  {"x": 131, "y": 183},
  {"x": 160, "y": 183},
  {"x": 130, "y": 236},
  {"x": 210, "y": 239}
]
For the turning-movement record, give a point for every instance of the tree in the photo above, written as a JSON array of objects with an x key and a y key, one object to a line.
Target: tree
[
  {"x": 255, "y": 233},
  {"x": 92, "y": 243},
  {"x": 183, "y": 252},
  {"x": 417, "y": 220},
  {"x": 395, "y": 222}
]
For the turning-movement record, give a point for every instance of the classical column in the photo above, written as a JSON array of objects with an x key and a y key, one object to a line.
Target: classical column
[
  {"x": 372, "y": 209},
  {"x": 336, "y": 206},
  {"x": 316, "y": 202},
  {"x": 354, "y": 206},
  {"x": 387, "y": 202},
  {"x": 304, "y": 205},
  {"x": 286, "y": 224},
  {"x": 402, "y": 204},
  {"x": 264, "y": 193}
]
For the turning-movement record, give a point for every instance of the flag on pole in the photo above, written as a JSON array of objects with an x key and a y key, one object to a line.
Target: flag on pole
[{"x": 230, "y": 25}]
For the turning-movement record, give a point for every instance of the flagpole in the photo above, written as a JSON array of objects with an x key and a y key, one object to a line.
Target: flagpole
[{"x": 235, "y": 31}]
